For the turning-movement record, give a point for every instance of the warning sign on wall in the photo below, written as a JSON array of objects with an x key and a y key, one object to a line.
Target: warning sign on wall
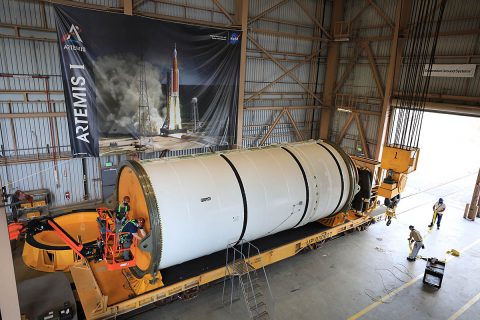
[{"x": 451, "y": 70}]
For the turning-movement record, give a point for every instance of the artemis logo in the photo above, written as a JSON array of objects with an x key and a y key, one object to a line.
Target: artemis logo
[{"x": 72, "y": 39}]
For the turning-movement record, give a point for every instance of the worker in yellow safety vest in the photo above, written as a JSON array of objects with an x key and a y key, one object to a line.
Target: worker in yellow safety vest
[
  {"x": 438, "y": 210},
  {"x": 121, "y": 213},
  {"x": 131, "y": 229}
]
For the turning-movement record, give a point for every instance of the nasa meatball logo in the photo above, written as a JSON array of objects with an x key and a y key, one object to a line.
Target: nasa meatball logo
[
  {"x": 72, "y": 40},
  {"x": 234, "y": 38}
]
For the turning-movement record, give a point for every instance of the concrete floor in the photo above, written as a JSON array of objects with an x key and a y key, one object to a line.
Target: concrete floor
[{"x": 350, "y": 273}]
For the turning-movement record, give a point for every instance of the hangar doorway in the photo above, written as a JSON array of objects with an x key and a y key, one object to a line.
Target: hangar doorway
[{"x": 449, "y": 158}]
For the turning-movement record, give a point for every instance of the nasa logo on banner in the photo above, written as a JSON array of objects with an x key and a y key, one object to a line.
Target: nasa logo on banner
[{"x": 234, "y": 38}]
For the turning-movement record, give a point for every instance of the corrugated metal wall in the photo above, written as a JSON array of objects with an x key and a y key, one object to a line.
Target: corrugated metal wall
[
  {"x": 35, "y": 151},
  {"x": 460, "y": 17},
  {"x": 458, "y": 44},
  {"x": 31, "y": 147},
  {"x": 359, "y": 90},
  {"x": 289, "y": 36},
  {"x": 67, "y": 177},
  {"x": 203, "y": 11}
]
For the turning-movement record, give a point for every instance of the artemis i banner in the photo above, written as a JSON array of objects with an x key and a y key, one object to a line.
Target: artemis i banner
[{"x": 134, "y": 83}]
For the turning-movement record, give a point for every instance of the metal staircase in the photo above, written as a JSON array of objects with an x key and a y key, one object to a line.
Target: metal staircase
[{"x": 239, "y": 269}]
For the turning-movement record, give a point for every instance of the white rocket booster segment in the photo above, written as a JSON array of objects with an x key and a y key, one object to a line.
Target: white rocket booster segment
[{"x": 197, "y": 205}]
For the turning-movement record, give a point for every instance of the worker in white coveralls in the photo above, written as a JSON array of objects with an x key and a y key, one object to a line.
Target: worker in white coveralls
[
  {"x": 417, "y": 239},
  {"x": 438, "y": 210}
]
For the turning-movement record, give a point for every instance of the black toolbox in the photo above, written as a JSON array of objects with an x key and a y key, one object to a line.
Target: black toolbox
[{"x": 434, "y": 272}]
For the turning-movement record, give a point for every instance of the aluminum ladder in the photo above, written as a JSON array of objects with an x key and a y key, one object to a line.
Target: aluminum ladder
[{"x": 238, "y": 267}]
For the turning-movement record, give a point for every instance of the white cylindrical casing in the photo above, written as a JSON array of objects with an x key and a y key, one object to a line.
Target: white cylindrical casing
[{"x": 204, "y": 203}]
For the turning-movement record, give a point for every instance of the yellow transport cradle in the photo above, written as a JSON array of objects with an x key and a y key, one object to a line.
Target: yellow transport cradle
[
  {"x": 46, "y": 251},
  {"x": 105, "y": 294}
]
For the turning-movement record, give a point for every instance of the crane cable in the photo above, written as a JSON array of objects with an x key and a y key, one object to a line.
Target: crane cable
[{"x": 419, "y": 56}]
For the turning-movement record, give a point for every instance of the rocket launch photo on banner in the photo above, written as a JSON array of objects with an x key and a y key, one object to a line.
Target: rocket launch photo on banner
[{"x": 151, "y": 85}]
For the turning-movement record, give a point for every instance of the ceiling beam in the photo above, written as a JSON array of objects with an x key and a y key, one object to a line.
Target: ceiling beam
[
  {"x": 268, "y": 10},
  {"x": 357, "y": 51},
  {"x": 359, "y": 13},
  {"x": 374, "y": 69},
  {"x": 32, "y": 115},
  {"x": 441, "y": 96},
  {"x": 138, "y": 2},
  {"x": 281, "y": 66},
  {"x": 344, "y": 130},
  {"x": 183, "y": 20},
  {"x": 308, "y": 59},
  {"x": 288, "y": 35},
  {"x": 272, "y": 126},
  {"x": 281, "y": 108},
  {"x": 312, "y": 17},
  {"x": 361, "y": 133},
  {"x": 385, "y": 17},
  {"x": 447, "y": 108},
  {"x": 294, "y": 125},
  {"x": 224, "y": 11},
  {"x": 83, "y": 5}
]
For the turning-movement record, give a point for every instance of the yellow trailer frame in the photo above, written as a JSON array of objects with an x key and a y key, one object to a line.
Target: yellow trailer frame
[{"x": 96, "y": 304}]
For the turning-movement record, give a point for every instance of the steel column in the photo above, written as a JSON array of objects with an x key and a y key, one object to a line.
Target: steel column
[
  {"x": 331, "y": 71},
  {"x": 241, "y": 18},
  {"x": 128, "y": 7},
  {"x": 9, "y": 305}
]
